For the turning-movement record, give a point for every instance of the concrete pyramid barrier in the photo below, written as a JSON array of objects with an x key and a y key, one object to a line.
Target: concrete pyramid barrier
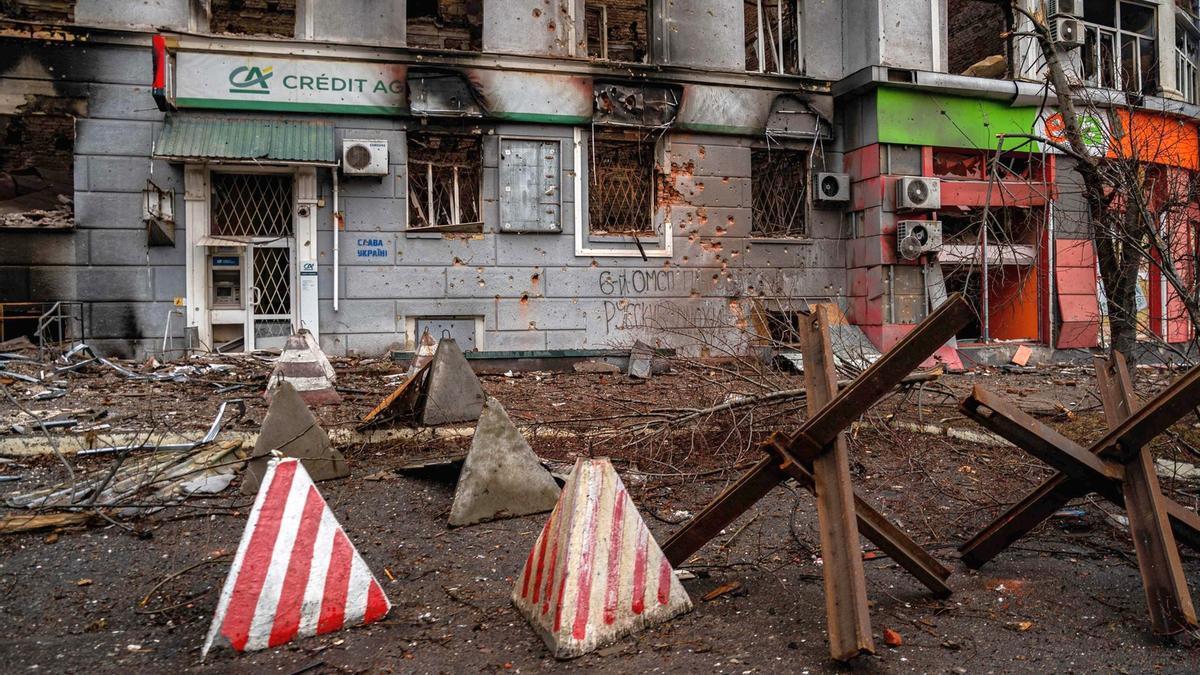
[
  {"x": 291, "y": 430},
  {"x": 452, "y": 392},
  {"x": 595, "y": 574},
  {"x": 303, "y": 365},
  {"x": 501, "y": 476},
  {"x": 295, "y": 573}
]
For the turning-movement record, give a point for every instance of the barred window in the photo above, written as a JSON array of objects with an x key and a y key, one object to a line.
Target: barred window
[
  {"x": 251, "y": 205},
  {"x": 622, "y": 187},
  {"x": 778, "y": 183}
]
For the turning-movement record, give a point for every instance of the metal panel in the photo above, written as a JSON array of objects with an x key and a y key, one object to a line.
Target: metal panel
[
  {"x": 201, "y": 137},
  {"x": 530, "y": 185},
  {"x": 461, "y": 329}
]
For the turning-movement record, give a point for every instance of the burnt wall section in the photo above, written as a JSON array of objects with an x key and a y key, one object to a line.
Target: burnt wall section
[
  {"x": 705, "y": 34},
  {"x": 974, "y": 34},
  {"x": 105, "y": 260},
  {"x": 253, "y": 17},
  {"x": 39, "y": 11},
  {"x": 445, "y": 24}
]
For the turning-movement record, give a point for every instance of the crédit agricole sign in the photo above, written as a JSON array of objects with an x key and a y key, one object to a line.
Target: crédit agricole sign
[{"x": 229, "y": 81}]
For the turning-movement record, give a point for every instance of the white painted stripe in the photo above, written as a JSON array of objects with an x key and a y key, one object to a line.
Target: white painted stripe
[
  {"x": 310, "y": 609},
  {"x": 268, "y": 599},
  {"x": 231, "y": 578},
  {"x": 356, "y": 594},
  {"x": 307, "y": 383}
]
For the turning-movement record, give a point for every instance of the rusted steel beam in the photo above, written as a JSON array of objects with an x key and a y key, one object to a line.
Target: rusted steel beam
[
  {"x": 1167, "y": 597},
  {"x": 881, "y": 532},
  {"x": 880, "y": 377},
  {"x": 1164, "y": 410},
  {"x": 849, "y": 620},
  {"x": 1004, "y": 418},
  {"x": 731, "y": 503},
  {"x": 1017, "y": 427}
]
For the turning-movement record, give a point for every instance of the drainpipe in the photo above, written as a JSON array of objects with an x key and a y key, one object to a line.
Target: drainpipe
[{"x": 337, "y": 237}]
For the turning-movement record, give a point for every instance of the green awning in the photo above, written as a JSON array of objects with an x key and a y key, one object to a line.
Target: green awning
[{"x": 194, "y": 137}]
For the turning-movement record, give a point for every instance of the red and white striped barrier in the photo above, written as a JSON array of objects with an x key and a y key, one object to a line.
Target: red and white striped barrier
[
  {"x": 296, "y": 574},
  {"x": 303, "y": 365},
  {"x": 595, "y": 573}
]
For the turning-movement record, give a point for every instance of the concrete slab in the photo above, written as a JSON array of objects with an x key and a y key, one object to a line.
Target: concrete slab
[
  {"x": 452, "y": 393},
  {"x": 291, "y": 429},
  {"x": 595, "y": 574},
  {"x": 501, "y": 477}
]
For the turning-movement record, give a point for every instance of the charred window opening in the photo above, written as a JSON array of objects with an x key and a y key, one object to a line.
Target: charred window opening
[
  {"x": 445, "y": 179},
  {"x": 618, "y": 30},
  {"x": 1006, "y": 225},
  {"x": 446, "y": 24},
  {"x": 778, "y": 179},
  {"x": 773, "y": 43},
  {"x": 253, "y": 17},
  {"x": 251, "y": 205},
  {"x": 977, "y": 165},
  {"x": 783, "y": 327},
  {"x": 976, "y": 45},
  {"x": 622, "y": 188},
  {"x": 39, "y": 11},
  {"x": 37, "y": 170}
]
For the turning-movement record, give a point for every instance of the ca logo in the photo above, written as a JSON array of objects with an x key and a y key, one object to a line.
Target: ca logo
[{"x": 250, "y": 80}]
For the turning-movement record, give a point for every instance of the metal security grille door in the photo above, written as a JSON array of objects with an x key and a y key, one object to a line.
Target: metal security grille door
[
  {"x": 255, "y": 210},
  {"x": 271, "y": 294}
]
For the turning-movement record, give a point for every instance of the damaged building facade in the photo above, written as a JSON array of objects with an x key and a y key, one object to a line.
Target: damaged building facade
[{"x": 554, "y": 178}]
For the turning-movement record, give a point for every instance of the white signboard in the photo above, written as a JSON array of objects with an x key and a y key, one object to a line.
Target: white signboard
[{"x": 268, "y": 82}]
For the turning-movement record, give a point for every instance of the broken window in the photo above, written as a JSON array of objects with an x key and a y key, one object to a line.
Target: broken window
[
  {"x": 253, "y": 17},
  {"x": 37, "y": 170},
  {"x": 773, "y": 36},
  {"x": 978, "y": 164},
  {"x": 618, "y": 30},
  {"x": 446, "y": 24},
  {"x": 39, "y": 12},
  {"x": 783, "y": 327},
  {"x": 621, "y": 190},
  {"x": 778, "y": 180},
  {"x": 976, "y": 43},
  {"x": 445, "y": 177},
  {"x": 1187, "y": 50},
  {"x": 251, "y": 205},
  {"x": 1120, "y": 50}
]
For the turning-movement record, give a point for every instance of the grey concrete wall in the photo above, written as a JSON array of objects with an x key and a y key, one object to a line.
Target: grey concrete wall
[
  {"x": 897, "y": 34},
  {"x": 105, "y": 261},
  {"x": 706, "y": 34},
  {"x": 1071, "y": 220},
  {"x": 166, "y": 14},
  {"x": 354, "y": 21},
  {"x": 822, "y": 38},
  {"x": 534, "y": 293},
  {"x": 532, "y": 27}
]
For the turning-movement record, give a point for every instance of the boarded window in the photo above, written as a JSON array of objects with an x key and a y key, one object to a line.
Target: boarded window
[
  {"x": 778, "y": 182},
  {"x": 530, "y": 194},
  {"x": 445, "y": 24},
  {"x": 254, "y": 17},
  {"x": 36, "y": 170},
  {"x": 622, "y": 187},
  {"x": 773, "y": 37},
  {"x": 445, "y": 172},
  {"x": 251, "y": 205},
  {"x": 618, "y": 30}
]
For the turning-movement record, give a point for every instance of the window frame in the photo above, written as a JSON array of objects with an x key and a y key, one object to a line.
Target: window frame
[
  {"x": 1114, "y": 74},
  {"x": 805, "y": 183},
  {"x": 456, "y": 196}
]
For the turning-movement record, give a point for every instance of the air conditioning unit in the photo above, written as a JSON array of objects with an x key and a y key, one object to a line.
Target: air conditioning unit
[
  {"x": 832, "y": 187},
  {"x": 914, "y": 237},
  {"x": 914, "y": 193},
  {"x": 1066, "y": 31},
  {"x": 1065, "y": 7},
  {"x": 364, "y": 158}
]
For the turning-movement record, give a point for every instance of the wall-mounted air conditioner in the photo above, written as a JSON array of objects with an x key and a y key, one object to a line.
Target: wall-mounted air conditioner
[
  {"x": 832, "y": 187},
  {"x": 364, "y": 158},
  {"x": 916, "y": 193},
  {"x": 914, "y": 237}
]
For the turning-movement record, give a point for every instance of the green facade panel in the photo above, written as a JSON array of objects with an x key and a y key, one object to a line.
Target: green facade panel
[{"x": 910, "y": 117}]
